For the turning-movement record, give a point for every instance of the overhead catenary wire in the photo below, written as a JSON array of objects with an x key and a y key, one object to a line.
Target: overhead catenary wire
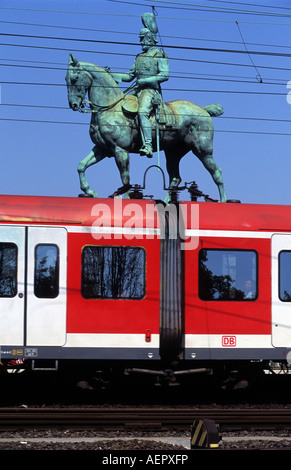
[
  {"x": 119, "y": 32},
  {"x": 184, "y": 59},
  {"x": 174, "y": 75},
  {"x": 275, "y": 7},
  {"x": 214, "y": 62},
  {"x": 197, "y": 7},
  {"x": 126, "y": 15},
  {"x": 168, "y": 89},
  {"x": 230, "y": 131},
  {"x": 66, "y": 108},
  {"x": 250, "y": 57},
  {"x": 135, "y": 44},
  {"x": 132, "y": 55}
]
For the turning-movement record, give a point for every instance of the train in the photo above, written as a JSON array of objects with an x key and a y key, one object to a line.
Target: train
[{"x": 137, "y": 285}]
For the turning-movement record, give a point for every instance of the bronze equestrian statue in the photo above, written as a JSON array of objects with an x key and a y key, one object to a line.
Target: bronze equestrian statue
[{"x": 127, "y": 123}]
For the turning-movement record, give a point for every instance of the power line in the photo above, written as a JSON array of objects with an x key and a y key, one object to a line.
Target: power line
[
  {"x": 250, "y": 57},
  {"x": 134, "y": 34},
  {"x": 191, "y": 48},
  {"x": 82, "y": 123},
  {"x": 216, "y": 9},
  {"x": 250, "y": 4},
  {"x": 68, "y": 11},
  {"x": 133, "y": 55},
  {"x": 166, "y": 89},
  {"x": 197, "y": 7},
  {"x": 218, "y": 78},
  {"x": 129, "y": 16},
  {"x": 66, "y": 108}
]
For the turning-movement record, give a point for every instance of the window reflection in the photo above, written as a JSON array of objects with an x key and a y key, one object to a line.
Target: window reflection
[
  {"x": 46, "y": 281},
  {"x": 113, "y": 272},
  {"x": 8, "y": 269},
  {"x": 227, "y": 275},
  {"x": 285, "y": 276}
]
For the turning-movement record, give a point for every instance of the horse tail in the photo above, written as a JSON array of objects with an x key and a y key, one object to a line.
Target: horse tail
[{"x": 214, "y": 109}]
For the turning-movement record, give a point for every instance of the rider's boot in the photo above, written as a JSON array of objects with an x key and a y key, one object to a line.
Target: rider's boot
[{"x": 146, "y": 130}]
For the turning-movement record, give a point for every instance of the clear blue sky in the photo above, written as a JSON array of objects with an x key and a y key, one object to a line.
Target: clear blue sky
[{"x": 42, "y": 140}]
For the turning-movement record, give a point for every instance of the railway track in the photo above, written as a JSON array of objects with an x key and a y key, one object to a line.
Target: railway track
[{"x": 140, "y": 418}]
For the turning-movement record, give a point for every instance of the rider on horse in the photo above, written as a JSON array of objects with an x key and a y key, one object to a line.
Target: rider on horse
[{"x": 150, "y": 69}]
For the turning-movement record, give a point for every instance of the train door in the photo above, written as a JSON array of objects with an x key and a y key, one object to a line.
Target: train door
[
  {"x": 12, "y": 285},
  {"x": 33, "y": 264},
  {"x": 281, "y": 290},
  {"x": 46, "y": 286}
]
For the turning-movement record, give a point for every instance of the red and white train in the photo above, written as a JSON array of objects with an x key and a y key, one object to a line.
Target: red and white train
[{"x": 130, "y": 282}]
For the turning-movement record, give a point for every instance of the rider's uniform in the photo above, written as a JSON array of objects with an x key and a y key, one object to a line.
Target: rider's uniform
[{"x": 150, "y": 69}]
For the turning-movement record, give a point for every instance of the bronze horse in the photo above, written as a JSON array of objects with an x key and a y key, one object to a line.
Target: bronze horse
[{"x": 115, "y": 133}]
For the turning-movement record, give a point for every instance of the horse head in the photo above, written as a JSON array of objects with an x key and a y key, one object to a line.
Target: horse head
[
  {"x": 78, "y": 81},
  {"x": 83, "y": 77}
]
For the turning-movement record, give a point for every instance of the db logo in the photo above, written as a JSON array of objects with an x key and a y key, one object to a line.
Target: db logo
[{"x": 229, "y": 341}]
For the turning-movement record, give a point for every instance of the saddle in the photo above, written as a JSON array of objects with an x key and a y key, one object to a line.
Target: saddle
[{"x": 167, "y": 117}]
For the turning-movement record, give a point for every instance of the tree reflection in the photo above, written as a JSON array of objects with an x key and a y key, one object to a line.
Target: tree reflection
[
  {"x": 113, "y": 272},
  {"x": 8, "y": 269},
  {"x": 216, "y": 287},
  {"x": 46, "y": 271}
]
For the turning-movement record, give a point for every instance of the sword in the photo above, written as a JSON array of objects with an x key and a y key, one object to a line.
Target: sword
[{"x": 156, "y": 102}]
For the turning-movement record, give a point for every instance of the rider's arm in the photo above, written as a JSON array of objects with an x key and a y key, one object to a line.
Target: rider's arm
[
  {"x": 124, "y": 77},
  {"x": 163, "y": 66}
]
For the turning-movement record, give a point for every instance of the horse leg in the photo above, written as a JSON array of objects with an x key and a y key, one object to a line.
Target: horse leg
[
  {"x": 91, "y": 159},
  {"x": 216, "y": 173},
  {"x": 122, "y": 162},
  {"x": 173, "y": 158}
]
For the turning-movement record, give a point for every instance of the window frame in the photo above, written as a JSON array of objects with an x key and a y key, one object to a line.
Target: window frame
[
  {"x": 12, "y": 245},
  {"x": 230, "y": 250},
  {"x": 279, "y": 276},
  {"x": 127, "y": 247},
  {"x": 57, "y": 270}
]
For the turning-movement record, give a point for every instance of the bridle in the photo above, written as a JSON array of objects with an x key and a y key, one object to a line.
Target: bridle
[{"x": 100, "y": 108}]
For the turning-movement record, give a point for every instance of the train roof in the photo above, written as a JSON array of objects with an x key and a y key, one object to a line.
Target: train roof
[
  {"x": 85, "y": 211},
  {"x": 82, "y": 211},
  {"x": 240, "y": 216}
]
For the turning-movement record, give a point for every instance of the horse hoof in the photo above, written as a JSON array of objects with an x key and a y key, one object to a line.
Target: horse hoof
[
  {"x": 89, "y": 193},
  {"x": 85, "y": 195}
]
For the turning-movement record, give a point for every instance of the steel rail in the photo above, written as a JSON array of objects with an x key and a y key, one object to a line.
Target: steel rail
[{"x": 113, "y": 418}]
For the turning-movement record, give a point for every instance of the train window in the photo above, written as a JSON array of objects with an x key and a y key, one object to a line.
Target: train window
[
  {"x": 46, "y": 274},
  {"x": 8, "y": 270},
  {"x": 113, "y": 272},
  {"x": 227, "y": 275},
  {"x": 285, "y": 276}
]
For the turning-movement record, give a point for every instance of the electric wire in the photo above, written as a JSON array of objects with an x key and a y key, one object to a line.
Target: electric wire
[
  {"x": 250, "y": 4},
  {"x": 167, "y": 46},
  {"x": 185, "y": 38},
  {"x": 229, "y": 131},
  {"x": 262, "y": 93},
  {"x": 205, "y": 8},
  {"x": 266, "y": 53},
  {"x": 172, "y": 59},
  {"x": 129, "y": 15},
  {"x": 133, "y": 55},
  {"x": 66, "y": 108},
  {"x": 250, "y": 57},
  {"x": 175, "y": 75}
]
